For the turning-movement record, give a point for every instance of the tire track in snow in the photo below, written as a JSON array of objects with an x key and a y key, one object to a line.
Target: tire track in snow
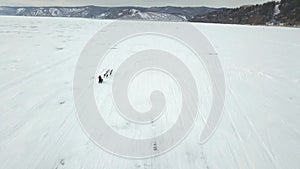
[
  {"x": 252, "y": 127},
  {"x": 233, "y": 125},
  {"x": 232, "y": 154}
]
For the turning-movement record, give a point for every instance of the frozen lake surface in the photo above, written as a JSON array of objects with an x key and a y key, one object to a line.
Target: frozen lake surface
[{"x": 260, "y": 127}]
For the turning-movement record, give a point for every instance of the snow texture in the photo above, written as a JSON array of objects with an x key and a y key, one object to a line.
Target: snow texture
[{"x": 39, "y": 129}]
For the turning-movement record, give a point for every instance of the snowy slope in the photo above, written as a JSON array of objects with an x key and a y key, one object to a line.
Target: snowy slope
[
  {"x": 38, "y": 125},
  {"x": 133, "y": 14},
  {"x": 167, "y": 13},
  {"x": 276, "y": 10}
]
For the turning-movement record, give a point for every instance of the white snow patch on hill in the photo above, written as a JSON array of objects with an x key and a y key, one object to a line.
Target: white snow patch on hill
[{"x": 277, "y": 10}]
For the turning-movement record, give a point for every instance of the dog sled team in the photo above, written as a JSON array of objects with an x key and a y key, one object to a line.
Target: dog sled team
[{"x": 107, "y": 74}]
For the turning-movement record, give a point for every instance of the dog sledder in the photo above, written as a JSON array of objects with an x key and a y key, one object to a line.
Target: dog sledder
[{"x": 107, "y": 74}]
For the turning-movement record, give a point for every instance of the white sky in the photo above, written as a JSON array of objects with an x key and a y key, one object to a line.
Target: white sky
[{"x": 211, "y": 3}]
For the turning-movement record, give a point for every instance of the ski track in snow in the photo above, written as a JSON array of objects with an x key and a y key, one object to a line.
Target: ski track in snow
[{"x": 260, "y": 127}]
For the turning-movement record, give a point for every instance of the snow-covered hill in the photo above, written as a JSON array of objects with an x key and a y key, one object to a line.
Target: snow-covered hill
[
  {"x": 283, "y": 12},
  {"x": 39, "y": 128},
  {"x": 154, "y": 13}
]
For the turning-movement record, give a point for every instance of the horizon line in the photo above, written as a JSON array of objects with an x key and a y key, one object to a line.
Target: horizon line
[{"x": 137, "y": 6}]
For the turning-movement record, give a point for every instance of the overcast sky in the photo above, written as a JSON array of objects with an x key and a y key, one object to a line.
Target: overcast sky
[{"x": 212, "y": 3}]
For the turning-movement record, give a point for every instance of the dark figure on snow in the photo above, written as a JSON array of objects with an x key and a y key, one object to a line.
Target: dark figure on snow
[
  {"x": 100, "y": 79},
  {"x": 106, "y": 73},
  {"x": 110, "y": 73}
]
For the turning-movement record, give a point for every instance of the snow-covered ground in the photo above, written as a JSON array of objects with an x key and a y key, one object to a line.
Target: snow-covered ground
[{"x": 260, "y": 127}]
